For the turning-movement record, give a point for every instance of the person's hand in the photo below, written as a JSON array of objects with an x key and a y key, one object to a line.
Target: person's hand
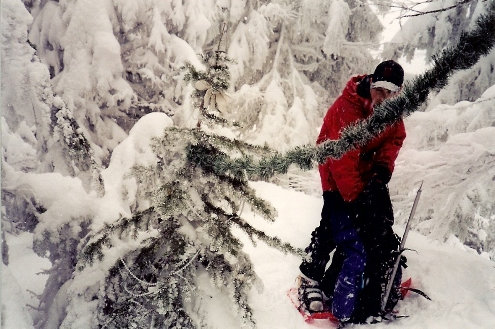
[
  {"x": 373, "y": 204},
  {"x": 380, "y": 174}
]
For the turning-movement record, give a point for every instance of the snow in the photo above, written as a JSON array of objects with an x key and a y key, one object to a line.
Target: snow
[
  {"x": 120, "y": 186},
  {"x": 449, "y": 147},
  {"x": 20, "y": 281},
  {"x": 460, "y": 282}
]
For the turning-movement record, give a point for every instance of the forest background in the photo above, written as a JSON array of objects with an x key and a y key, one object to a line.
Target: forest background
[{"x": 103, "y": 100}]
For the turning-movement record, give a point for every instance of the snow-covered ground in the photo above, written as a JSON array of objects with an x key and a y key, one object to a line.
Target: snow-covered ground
[
  {"x": 460, "y": 282},
  {"x": 21, "y": 279},
  {"x": 450, "y": 147}
]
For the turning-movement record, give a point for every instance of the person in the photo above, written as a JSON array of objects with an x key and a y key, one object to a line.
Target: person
[{"x": 357, "y": 214}]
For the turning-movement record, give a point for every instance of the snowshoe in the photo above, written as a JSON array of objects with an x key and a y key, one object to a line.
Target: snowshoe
[
  {"x": 326, "y": 319},
  {"x": 311, "y": 303},
  {"x": 310, "y": 294}
]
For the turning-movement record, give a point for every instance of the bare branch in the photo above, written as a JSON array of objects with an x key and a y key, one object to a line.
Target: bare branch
[
  {"x": 410, "y": 8},
  {"x": 419, "y": 13}
]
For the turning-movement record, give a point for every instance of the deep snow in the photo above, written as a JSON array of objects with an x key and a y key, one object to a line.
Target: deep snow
[{"x": 460, "y": 282}]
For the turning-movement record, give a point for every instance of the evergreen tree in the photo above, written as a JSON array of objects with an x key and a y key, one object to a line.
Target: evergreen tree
[
  {"x": 471, "y": 47},
  {"x": 439, "y": 29},
  {"x": 161, "y": 281},
  {"x": 181, "y": 233}
]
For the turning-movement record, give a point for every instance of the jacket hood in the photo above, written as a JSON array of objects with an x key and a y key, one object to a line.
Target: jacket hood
[{"x": 350, "y": 93}]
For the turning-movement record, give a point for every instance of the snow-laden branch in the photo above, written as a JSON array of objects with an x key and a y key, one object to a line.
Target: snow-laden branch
[{"x": 467, "y": 52}]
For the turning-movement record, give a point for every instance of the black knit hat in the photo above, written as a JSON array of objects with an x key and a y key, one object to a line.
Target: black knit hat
[{"x": 388, "y": 74}]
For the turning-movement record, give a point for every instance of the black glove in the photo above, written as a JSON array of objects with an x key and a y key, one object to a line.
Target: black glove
[
  {"x": 372, "y": 210},
  {"x": 380, "y": 174}
]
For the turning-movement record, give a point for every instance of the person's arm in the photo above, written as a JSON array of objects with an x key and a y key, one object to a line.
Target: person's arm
[
  {"x": 384, "y": 159},
  {"x": 346, "y": 174},
  {"x": 345, "y": 171}
]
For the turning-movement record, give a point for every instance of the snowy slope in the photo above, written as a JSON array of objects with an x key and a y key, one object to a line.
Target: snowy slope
[
  {"x": 460, "y": 282},
  {"x": 448, "y": 146}
]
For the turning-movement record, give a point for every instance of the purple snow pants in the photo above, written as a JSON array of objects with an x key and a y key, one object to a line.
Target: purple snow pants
[{"x": 337, "y": 229}]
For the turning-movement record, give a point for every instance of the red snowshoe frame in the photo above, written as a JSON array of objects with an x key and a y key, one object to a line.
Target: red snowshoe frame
[{"x": 326, "y": 315}]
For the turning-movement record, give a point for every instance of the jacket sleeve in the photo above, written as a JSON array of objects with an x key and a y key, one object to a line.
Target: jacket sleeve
[
  {"x": 345, "y": 171},
  {"x": 323, "y": 167},
  {"x": 388, "y": 152},
  {"x": 346, "y": 174}
]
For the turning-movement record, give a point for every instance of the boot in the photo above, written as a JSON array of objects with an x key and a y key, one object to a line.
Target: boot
[{"x": 310, "y": 294}]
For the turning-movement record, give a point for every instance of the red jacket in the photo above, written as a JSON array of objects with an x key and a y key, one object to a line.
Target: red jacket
[{"x": 349, "y": 174}]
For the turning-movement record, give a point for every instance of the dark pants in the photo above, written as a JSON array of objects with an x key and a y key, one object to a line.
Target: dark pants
[
  {"x": 367, "y": 224},
  {"x": 374, "y": 218},
  {"x": 344, "y": 277},
  {"x": 322, "y": 244}
]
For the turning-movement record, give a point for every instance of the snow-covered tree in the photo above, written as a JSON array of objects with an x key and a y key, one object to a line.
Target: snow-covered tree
[
  {"x": 437, "y": 30},
  {"x": 167, "y": 248},
  {"x": 36, "y": 136},
  {"x": 307, "y": 50},
  {"x": 316, "y": 46},
  {"x": 26, "y": 93}
]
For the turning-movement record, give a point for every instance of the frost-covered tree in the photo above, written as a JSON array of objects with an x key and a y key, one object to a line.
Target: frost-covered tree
[
  {"x": 437, "y": 30},
  {"x": 170, "y": 245},
  {"x": 39, "y": 137},
  {"x": 36, "y": 137},
  {"x": 195, "y": 209},
  {"x": 114, "y": 61},
  {"x": 26, "y": 93},
  {"x": 307, "y": 50}
]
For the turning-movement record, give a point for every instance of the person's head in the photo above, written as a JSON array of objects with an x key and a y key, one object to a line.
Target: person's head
[{"x": 386, "y": 81}]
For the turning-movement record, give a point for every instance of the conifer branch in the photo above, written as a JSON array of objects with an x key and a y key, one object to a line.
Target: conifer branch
[
  {"x": 471, "y": 46},
  {"x": 251, "y": 231},
  {"x": 177, "y": 271},
  {"x": 135, "y": 277},
  {"x": 269, "y": 240},
  {"x": 93, "y": 250}
]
